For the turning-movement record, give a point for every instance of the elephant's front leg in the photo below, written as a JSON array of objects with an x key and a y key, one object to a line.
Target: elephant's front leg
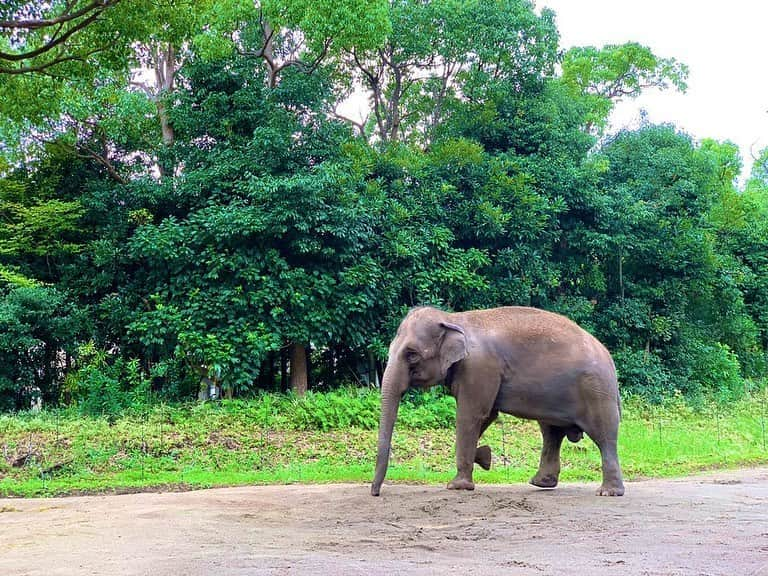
[
  {"x": 467, "y": 434},
  {"x": 469, "y": 427}
]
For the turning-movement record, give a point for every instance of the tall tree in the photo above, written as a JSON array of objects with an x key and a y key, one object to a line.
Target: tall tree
[
  {"x": 604, "y": 76},
  {"x": 445, "y": 51}
]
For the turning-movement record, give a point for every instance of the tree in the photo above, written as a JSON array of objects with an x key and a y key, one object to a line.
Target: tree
[
  {"x": 757, "y": 184},
  {"x": 213, "y": 216},
  {"x": 601, "y": 77},
  {"x": 258, "y": 241},
  {"x": 673, "y": 306},
  {"x": 445, "y": 51}
]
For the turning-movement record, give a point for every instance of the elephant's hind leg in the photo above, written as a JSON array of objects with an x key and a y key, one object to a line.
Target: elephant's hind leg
[
  {"x": 549, "y": 464},
  {"x": 483, "y": 457},
  {"x": 602, "y": 425},
  {"x": 612, "y": 485}
]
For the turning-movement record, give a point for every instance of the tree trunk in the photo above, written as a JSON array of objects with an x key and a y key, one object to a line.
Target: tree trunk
[
  {"x": 165, "y": 73},
  {"x": 268, "y": 54},
  {"x": 298, "y": 369}
]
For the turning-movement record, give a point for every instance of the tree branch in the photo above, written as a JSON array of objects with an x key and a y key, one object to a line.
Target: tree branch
[
  {"x": 92, "y": 154},
  {"x": 360, "y": 126},
  {"x": 53, "y": 43},
  {"x": 96, "y": 5},
  {"x": 45, "y": 65}
]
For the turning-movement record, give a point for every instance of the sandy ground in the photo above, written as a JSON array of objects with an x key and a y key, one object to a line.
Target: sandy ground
[{"x": 709, "y": 524}]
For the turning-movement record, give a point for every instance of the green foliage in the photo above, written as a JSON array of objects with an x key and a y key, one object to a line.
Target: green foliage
[
  {"x": 51, "y": 50},
  {"x": 349, "y": 23},
  {"x": 103, "y": 386},
  {"x": 709, "y": 371},
  {"x": 197, "y": 229},
  {"x": 423, "y": 74},
  {"x": 10, "y": 277},
  {"x": 37, "y": 325},
  {"x": 344, "y": 408},
  {"x": 673, "y": 287},
  {"x": 335, "y": 410},
  {"x": 427, "y": 410},
  {"x": 600, "y": 77},
  {"x": 42, "y": 226},
  {"x": 642, "y": 373}
]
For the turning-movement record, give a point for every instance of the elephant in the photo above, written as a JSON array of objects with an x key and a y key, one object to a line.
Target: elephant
[{"x": 523, "y": 361}]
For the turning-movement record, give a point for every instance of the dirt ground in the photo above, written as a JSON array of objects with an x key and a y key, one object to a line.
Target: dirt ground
[{"x": 709, "y": 524}]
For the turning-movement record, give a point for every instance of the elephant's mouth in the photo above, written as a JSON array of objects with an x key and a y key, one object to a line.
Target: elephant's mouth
[{"x": 418, "y": 384}]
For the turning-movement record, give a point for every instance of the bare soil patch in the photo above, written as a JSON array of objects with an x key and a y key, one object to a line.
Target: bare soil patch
[{"x": 714, "y": 524}]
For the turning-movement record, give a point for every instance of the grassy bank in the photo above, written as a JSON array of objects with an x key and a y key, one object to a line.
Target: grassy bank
[{"x": 332, "y": 438}]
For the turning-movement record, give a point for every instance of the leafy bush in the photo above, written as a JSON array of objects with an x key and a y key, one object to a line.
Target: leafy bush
[
  {"x": 36, "y": 324},
  {"x": 642, "y": 373},
  {"x": 359, "y": 408},
  {"x": 105, "y": 385},
  {"x": 716, "y": 372},
  {"x": 345, "y": 408},
  {"x": 432, "y": 409}
]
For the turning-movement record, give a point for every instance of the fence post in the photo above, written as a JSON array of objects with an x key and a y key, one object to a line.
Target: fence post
[
  {"x": 504, "y": 458},
  {"x": 762, "y": 416},
  {"x": 657, "y": 417},
  {"x": 144, "y": 440},
  {"x": 717, "y": 424}
]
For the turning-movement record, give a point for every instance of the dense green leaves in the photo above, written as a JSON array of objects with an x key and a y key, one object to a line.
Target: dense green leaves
[{"x": 190, "y": 231}]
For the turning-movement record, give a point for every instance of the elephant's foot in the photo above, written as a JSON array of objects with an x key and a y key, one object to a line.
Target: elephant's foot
[
  {"x": 544, "y": 480},
  {"x": 483, "y": 457},
  {"x": 461, "y": 484},
  {"x": 611, "y": 490}
]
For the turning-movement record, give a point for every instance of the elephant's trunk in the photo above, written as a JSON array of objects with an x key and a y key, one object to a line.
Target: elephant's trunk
[{"x": 390, "y": 401}]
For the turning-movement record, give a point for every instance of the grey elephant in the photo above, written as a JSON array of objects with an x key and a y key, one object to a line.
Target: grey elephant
[{"x": 521, "y": 361}]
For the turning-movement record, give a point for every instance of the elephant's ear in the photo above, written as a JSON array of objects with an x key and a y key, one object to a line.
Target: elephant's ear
[{"x": 453, "y": 347}]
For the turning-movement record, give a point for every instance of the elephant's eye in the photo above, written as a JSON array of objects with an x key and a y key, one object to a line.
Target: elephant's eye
[{"x": 412, "y": 357}]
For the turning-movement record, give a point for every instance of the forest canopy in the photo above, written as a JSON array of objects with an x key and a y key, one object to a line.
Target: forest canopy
[{"x": 190, "y": 198}]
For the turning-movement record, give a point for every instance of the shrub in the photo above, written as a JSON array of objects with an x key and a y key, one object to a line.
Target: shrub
[
  {"x": 348, "y": 407},
  {"x": 642, "y": 373},
  {"x": 104, "y": 385},
  {"x": 716, "y": 371},
  {"x": 344, "y": 408}
]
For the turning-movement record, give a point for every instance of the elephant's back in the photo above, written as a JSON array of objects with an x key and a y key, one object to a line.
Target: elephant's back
[
  {"x": 541, "y": 332},
  {"x": 524, "y": 321}
]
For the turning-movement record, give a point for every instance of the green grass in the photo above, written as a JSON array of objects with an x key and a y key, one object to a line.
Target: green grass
[{"x": 270, "y": 441}]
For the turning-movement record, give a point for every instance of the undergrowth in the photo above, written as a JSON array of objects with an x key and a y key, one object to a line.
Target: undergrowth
[{"x": 324, "y": 437}]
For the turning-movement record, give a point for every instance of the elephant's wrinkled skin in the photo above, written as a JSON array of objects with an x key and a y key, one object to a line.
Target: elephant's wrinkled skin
[{"x": 522, "y": 361}]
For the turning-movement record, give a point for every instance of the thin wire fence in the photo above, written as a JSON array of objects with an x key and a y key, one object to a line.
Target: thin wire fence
[{"x": 152, "y": 446}]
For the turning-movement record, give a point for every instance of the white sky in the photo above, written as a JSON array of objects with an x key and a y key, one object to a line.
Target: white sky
[{"x": 723, "y": 44}]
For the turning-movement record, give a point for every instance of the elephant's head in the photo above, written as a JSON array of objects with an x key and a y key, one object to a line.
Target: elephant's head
[{"x": 424, "y": 349}]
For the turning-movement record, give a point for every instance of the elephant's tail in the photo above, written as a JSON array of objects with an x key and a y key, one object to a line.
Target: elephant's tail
[{"x": 618, "y": 394}]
